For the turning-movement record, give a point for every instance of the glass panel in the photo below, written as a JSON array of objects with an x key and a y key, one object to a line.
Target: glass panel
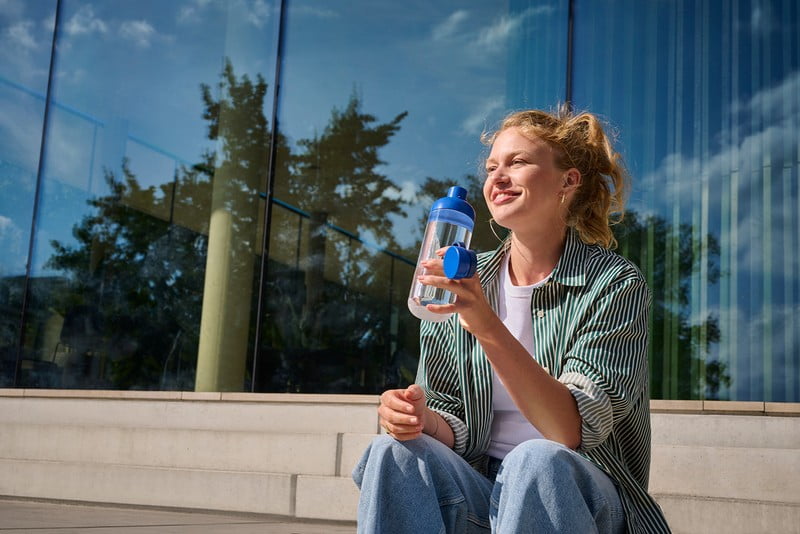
[
  {"x": 26, "y": 38},
  {"x": 706, "y": 97},
  {"x": 147, "y": 237},
  {"x": 381, "y": 111}
]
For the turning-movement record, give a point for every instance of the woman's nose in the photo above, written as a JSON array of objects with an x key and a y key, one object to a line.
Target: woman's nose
[{"x": 499, "y": 176}]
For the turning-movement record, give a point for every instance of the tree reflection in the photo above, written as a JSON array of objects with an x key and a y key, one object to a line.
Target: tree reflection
[
  {"x": 680, "y": 345},
  {"x": 133, "y": 294},
  {"x": 137, "y": 276},
  {"x": 329, "y": 326}
]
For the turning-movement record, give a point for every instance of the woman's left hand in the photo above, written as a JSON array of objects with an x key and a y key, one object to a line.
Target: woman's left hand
[{"x": 474, "y": 311}]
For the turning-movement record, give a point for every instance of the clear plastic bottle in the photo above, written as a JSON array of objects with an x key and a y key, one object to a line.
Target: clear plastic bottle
[{"x": 450, "y": 221}]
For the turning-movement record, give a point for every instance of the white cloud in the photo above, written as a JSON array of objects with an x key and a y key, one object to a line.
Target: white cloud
[
  {"x": 12, "y": 9},
  {"x": 314, "y": 11},
  {"x": 477, "y": 122},
  {"x": 497, "y": 34},
  {"x": 84, "y": 22},
  {"x": 255, "y": 12},
  {"x": 21, "y": 35},
  {"x": 11, "y": 242},
  {"x": 188, "y": 14},
  {"x": 258, "y": 13},
  {"x": 6, "y": 225},
  {"x": 138, "y": 31},
  {"x": 449, "y": 26},
  {"x": 407, "y": 191}
]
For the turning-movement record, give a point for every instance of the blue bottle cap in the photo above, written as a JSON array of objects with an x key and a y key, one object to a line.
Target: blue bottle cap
[
  {"x": 456, "y": 199},
  {"x": 460, "y": 262}
]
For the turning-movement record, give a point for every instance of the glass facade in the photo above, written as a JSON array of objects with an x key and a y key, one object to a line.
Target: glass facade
[{"x": 228, "y": 195}]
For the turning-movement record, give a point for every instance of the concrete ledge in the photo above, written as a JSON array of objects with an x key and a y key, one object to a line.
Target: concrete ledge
[
  {"x": 264, "y": 493},
  {"x": 280, "y": 417},
  {"x": 701, "y": 515},
  {"x": 333, "y": 498},
  {"x": 259, "y": 452},
  {"x": 759, "y": 474},
  {"x": 734, "y": 407},
  {"x": 353, "y": 447},
  {"x": 676, "y": 406},
  {"x": 785, "y": 409},
  {"x": 717, "y": 430},
  {"x": 282, "y": 398},
  {"x": 725, "y": 407}
]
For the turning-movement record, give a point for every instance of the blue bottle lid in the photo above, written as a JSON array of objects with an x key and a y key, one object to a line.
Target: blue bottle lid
[
  {"x": 456, "y": 199},
  {"x": 460, "y": 262}
]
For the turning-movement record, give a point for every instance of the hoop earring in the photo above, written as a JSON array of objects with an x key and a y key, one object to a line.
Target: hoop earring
[
  {"x": 562, "y": 197},
  {"x": 491, "y": 227}
]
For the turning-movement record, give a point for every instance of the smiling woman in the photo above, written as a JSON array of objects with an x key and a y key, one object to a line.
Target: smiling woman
[{"x": 538, "y": 385}]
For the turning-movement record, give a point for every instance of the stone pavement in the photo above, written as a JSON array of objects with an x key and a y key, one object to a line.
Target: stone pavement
[{"x": 45, "y": 517}]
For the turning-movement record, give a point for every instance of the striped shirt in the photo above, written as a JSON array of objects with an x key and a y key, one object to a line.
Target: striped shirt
[{"x": 590, "y": 330}]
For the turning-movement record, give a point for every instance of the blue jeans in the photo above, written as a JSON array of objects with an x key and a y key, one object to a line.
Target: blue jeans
[{"x": 422, "y": 486}]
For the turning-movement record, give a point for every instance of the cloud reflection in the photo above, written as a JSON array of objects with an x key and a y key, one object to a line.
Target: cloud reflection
[{"x": 85, "y": 22}]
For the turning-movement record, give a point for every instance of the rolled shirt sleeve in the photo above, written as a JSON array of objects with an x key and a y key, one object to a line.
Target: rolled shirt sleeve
[
  {"x": 605, "y": 368},
  {"x": 437, "y": 376}
]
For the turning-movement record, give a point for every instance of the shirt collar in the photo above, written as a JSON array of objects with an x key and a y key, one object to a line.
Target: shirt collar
[{"x": 570, "y": 269}]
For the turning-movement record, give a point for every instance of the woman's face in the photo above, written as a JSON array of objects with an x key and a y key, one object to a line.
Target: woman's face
[{"x": 523, "y": 187}]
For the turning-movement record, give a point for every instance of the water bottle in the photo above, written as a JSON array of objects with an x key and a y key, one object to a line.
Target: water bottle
[{"x": 450, "y": 224}]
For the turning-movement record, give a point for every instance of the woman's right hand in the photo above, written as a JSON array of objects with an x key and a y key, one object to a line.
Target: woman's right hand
[{"x": 402, "y": 412}]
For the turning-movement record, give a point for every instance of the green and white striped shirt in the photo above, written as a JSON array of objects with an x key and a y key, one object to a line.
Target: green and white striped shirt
[{"x": 590, "y": 331}]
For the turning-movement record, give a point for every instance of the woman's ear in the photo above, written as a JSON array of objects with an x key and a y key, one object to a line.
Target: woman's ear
[{"x": 572, "y": 179}]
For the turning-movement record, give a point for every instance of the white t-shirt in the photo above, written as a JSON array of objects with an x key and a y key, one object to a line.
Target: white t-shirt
[{"x": 509, "y": 426}]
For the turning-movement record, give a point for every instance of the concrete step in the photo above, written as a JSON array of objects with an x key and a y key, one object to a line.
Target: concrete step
[
  {"x": 190, "y": 449},
  {"x": 701, "y": 515},
  {"x": 329, "y": 498},
  {"x": 268, "y": 452},
  {"x": 750, "y": 431},
  {"x": 353, "y": 447},
  {"x": 267, "y": 493},
  {"x": 302, "y": 496},
  {"x": 293, "y": 414},
  {"x": 758, "y": 474}
]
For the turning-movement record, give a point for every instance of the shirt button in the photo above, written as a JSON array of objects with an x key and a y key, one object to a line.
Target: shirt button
[{"x": 540, "y": 314}]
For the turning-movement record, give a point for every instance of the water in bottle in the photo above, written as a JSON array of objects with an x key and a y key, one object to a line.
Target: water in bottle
[{"x": 450, "y": 221}]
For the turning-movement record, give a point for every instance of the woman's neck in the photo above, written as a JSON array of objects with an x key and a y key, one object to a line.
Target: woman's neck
[{"x": 533, "y": 259}]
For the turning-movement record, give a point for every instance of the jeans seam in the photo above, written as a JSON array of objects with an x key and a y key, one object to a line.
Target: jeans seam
[
  {"x": 451, "y": 501},
  {"x": 475, "y": 520}
]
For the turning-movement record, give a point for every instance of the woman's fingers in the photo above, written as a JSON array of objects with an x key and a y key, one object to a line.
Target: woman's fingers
[{"x": 398, "y": 416}]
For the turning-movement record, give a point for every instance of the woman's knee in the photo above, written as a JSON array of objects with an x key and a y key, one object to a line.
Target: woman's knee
[
  {"x": 387, "y": 445},
  {"x": 538, "y": 455},
  {"x": 387, "y": 452}
]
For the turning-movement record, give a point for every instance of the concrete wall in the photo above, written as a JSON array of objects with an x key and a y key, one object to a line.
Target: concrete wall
[{"x": 717, "y": 467}]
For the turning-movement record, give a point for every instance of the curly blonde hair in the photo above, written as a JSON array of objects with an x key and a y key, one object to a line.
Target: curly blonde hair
[{"x": 579, "y": 141}]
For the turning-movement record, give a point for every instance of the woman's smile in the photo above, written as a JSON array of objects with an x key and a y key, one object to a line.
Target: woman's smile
[{"x": 500, "y": 197}]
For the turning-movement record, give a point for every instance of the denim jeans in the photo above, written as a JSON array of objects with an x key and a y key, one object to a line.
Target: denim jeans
[{"x": 422, "y": 486}]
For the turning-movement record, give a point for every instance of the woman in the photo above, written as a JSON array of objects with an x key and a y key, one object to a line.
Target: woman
[{"x": 531, "y": 409}]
